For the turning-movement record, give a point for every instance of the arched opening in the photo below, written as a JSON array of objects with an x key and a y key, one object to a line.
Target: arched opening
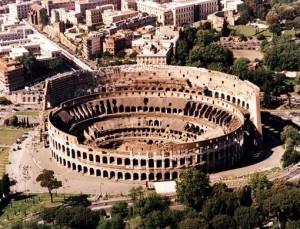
[
  {"x": 84, "y": 156},
  {"x": 143, "y": 176},
  {"x": 92, "y": 172},
  {"x": 112, "y": 174},
  {"x": 98, "y": 173},
  {"x": 73, "y": 153},
  {"x": 151, "y": 163},
  {"x": 64, "y": 162},
  {"x": 78, "y": 154},
  {"x": 174, "y": 175},
  {"x": 98, "y": 158},
  {"x": 69, "y": 164},
  {"x": 151, "y": 176},
  {"x": 127, "y": 161},
  {"x": 91, "y": 157},
  {"x": 74, "y": 166},
  {"x": 167, "y": 163},
  {"x": 119, "y": 161},
  {"x": 111, "y": 160},
  {"x": 135, "y": 176},
  {"x": 167, "y": 176},
  {"x": 120, "y": 175},
  {"x": 105, "y": 173},
  {"x": 159, "y": 176},
  {"x": 104, "y": 160},
  {"x": 85, "y": 169},
  {"x": 79, "y": 168},
  {"x": 127, "y": 176}
]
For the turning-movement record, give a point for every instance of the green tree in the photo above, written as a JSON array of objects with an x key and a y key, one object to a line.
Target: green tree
[
  {"x": 121, "y": 54},
  {"x": 151, "y": 203},
  {"x": 135, "y": 223},
  {"x": 275, "y": 29},
  {"x": 31, "y": 65},
  {"x": 44, "y": 20},
  {"x": 48, "y": 181},
  {"x": 225, "y": 31},
  {"x": 13, "y": 121},
  {"x": 136, "y": 193},
  {"x": 289, "y": 132},
  {"x": 133, "y": 55},
  {"x": 120, "y": 208},
  {"x": 194, "y": 223},
  {"x": 244, "y": 195},
  {"x": 54, "y": 64},
  {"x": 193, "y": 188},
  {"x": 259, "y": 181},
  {"x": 240, "y": 67},
  {"x": 247, "y": 217},
  {"x": 224, "y": 222},
  {"x": 5, "y": 185}
]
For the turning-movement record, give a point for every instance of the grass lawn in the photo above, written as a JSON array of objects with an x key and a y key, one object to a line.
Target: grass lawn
[
  {"x": 3, "y": 159},
  {"x": 248, "y": 30},
  {"x": 27, "y": 113},
  {"x": 9, "y": 136},
  {"x": 26, "y": 205}
]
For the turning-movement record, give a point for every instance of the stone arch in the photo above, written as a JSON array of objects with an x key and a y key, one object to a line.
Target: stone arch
[
  {"x": 167, "y": 176},
  {"x": 216, "y": 95},
  {"x": 127, "y": 161},
  {"x": 120, "y": 175},
  {"x": 158, "y": 176},
  {"x": 151, "y": 176},
  {"x": 73, "y": 153},
  {"x": 151, "y": 163},
  {"x": 79, "y": 168},
  {"x": 64, "y": 162},
  {"x": 74, "y": 166},
  {"x": 69, "y": 164},
  {"x": 105, "y": 173},
  {"x": 91, "y": 157},
  {"x": 143, "y": 176},
  {"x": 98, "y": 172},
  {"x": 78, "y": 154},
  {"x": 135, "y": 176},
  {"x": 119, "y": 161},
  {"x": 127, "y": 176},
  {"x": 84, "y": 156},
  {"x": 111, "y": 160},
  {"x": 174, "y": 175},
  {"x": 92, "y": 171},
  {"x": 97, "y": 158},
  {"x": 104, "y": 160},
  {"x": 85, "y": 169},
  {"x": 112, "y": 174}
]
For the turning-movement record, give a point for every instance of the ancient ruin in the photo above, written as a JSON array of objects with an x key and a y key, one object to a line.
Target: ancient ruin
[{"x": 147, "y": 123}]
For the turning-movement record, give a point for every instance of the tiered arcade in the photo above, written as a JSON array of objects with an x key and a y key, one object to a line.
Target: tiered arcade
[{"x": 151, "y": 122}]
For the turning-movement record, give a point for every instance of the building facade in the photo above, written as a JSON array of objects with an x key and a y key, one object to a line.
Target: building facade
[{"x": 11, "y": 74}]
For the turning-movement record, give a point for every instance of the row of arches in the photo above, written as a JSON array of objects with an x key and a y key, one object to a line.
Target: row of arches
[{"x": 115, "y": 174}]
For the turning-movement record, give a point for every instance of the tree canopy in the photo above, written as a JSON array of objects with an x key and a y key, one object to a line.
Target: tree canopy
[
  {"x": 48, "y": 181},
  {"x": 193, "y": 188}
]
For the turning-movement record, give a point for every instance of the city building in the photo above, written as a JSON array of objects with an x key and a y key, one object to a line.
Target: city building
[
  {"x": 110, "y": 16},
  {"x": 21, "y": 8},
  {"x": 11, "y": 74},
  {"x": 82, "y": 5},
  {"x": 92, "y": 44},
  {"x": 57, "y": 4},
  {"x": 114, "y": 43},
  {"x": 94, "y": 16},
  {"x": 67, "y": 16},
  {"x": 178, "y": 12},
  {"x": 34, "y": 15}
]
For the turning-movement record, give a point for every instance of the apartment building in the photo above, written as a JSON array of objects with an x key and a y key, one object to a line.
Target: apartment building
[
  {"x": 92, "y": 44},
  {"x": 94, "y": 16},
  {"x": 114, "y": 43},
  {"x": 57, "y": 4},
  {"x": 82, "y": 5},
  {"x": 178, "y": 12},
  {"x": 65, "y": 16},
  {"x": 21, "y": 8},
  {"x": 11, "y": 74},
  {"x": 110, "y": 16}
]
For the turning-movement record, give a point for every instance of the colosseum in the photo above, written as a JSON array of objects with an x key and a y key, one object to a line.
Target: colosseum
[{"x": 146, "y": 123}]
